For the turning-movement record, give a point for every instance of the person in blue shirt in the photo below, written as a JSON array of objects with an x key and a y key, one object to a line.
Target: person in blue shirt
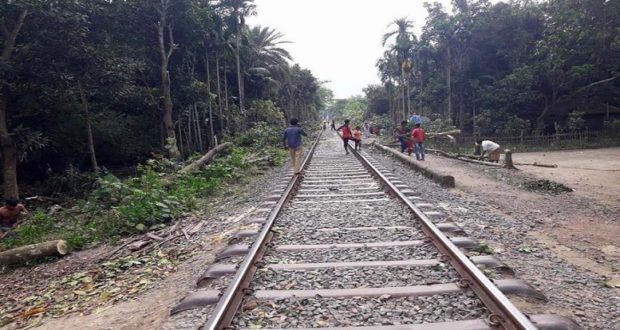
[{"x": 291, "y": 138}]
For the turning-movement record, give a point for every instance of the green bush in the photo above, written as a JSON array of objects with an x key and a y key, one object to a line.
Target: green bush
[{"x": 114, "y": 208}]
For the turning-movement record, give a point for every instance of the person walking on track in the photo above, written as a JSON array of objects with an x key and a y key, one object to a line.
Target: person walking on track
[
  {"x": 333, "y": 125},
  {"x": 291, "y": 138},
  {"x": 419, "y": 136},
  {"x": 346, "y": 134},
  {"x": 357, "y": 137}
]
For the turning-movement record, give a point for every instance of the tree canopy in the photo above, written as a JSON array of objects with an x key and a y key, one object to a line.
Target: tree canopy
[
  {"x": 91, "y": 83},
  {"x": 521, "y": 63}
]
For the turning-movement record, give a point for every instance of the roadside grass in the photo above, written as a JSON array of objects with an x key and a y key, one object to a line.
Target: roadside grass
[{"x": 156, "y": 197}]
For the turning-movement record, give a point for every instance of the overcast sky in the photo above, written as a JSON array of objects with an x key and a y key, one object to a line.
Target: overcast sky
[{"x": 339, "y": 40}]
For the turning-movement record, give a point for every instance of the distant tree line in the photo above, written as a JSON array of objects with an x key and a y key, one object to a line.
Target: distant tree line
[
  {"x": 511, "y": 66},
  {"x": 106, "y": 82}
]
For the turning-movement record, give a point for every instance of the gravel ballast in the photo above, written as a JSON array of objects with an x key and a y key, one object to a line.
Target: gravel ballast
[
  {"x": 424, "y": 251},
  {"x": 386, "y": 310},
  {"x": 349, "y": 278},
  {"x": 312, "y": 236},
  {"x": 571, "y": 290}
]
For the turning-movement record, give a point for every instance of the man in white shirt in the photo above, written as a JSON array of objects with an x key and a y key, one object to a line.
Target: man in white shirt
[{"x": 491, "y": 148}]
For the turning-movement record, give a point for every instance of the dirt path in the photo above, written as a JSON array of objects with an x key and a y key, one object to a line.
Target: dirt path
[
  {"x": 591, "y": 173},
  {"x": 580, "y": 227}
]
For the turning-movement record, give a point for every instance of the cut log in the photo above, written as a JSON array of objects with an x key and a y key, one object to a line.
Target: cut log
[
  {"x": 443, "y": 153},
  {"x": 480, "y": 162},
  {"x": 207, "y": 158},
  {"x": 538, "y": 164},
  {"x": 34, "y": 251}
]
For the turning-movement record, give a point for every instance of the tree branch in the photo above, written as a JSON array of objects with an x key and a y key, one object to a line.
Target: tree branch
[
  {"x": 5, "y": 31},
  {"x": 9, "y": 43},
  {"x": 597, "y": 83},
  {"x": 170, "y": 41}
]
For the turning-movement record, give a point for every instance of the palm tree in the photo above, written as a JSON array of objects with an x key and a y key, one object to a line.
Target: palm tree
[
  {"x": 267, "y": 62},
  {"x": 238, "y": 10},
  {"x": 265, "y": 49},
  {"x": 402, "y": 47}
]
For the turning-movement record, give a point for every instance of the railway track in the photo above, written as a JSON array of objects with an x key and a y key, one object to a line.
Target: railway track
[{"x": 350, "y": 246}]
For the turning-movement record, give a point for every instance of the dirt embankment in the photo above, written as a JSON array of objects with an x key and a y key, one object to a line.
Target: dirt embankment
[
  {"x": 592, "y": 173},
  {"x": 580, "y": 226}
]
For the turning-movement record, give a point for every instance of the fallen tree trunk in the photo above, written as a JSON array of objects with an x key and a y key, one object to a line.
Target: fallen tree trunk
[
  {"x": 443, "y": 153},
  {"x": 454, "y": 131},
  {"x": 34, "y": 251},
  {"x": 538, "y": 164},
  {"x": 464, "y": 158},
  {"x": 443, "y": 179},
  {"x": 480, "y": 162},
  {"x": 194, "y": 166}
]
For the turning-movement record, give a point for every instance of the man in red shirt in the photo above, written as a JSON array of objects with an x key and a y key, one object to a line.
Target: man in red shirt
[
  {"x": 419, "y": 136},
  {"x": 11, "y": 216}
]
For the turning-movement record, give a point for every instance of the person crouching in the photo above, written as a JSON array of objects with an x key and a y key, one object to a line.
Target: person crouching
[{"x": 491, "y": 148}]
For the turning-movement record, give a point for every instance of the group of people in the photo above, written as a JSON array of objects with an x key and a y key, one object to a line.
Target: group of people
[
  {"x": 352, "y": 135},
  {"x": 412, "y": 141},
  {"x": 292, "y": 139}
]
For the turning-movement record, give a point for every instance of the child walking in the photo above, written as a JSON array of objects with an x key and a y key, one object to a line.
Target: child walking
[
  {"x": 357, "y": 137},
  {"x": 346, "y": 134}
]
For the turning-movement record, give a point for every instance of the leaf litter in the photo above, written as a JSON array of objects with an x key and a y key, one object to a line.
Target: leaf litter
[{"x": 90, "y": 291}]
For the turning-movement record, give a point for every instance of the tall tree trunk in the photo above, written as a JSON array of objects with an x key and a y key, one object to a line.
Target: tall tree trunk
[
  {"x": 198, "y": 130},
  {"x": 219, "y": 90},
  {"x": 180, "y": 135},
  {"x": 7, "y": 143},
  {"x": 212, "y": 133},
  {"x": 408, "y": 100},
  {"x": 89, "y": 130},
  {"x": 461, "y": 112},
  {"x": 449, "y": 84},
  {"x": 165, "y": 53},
  {"x": 190, "y": 136},
  {"x": 9, "y": 152},
  {"x": 239, "y": 76},
  {"x": 227, "y": 108},
  {"x": 404, "y": 107},
  {"x": 549, "y": 105}
]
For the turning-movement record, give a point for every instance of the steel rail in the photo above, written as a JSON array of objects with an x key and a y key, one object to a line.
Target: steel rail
[
  {"x": 507, "y": 314},
  {"x": 231, "y": 298}
]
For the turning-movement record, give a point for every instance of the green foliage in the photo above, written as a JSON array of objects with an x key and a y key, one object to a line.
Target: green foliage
[
  {"x": 259, "y": 136},
  {"x": 119, "y": 207},
  {"x": 500, "y": 123},
  {"x": 265, "y": 111},
  {"x": 575, "y": 121},
  {"x": 438, "y": 124},
  {"x": 71, "y": 183},
  {"x": 354, "y": 110},
  {"x": 535, "y": 61},
  {"x": 484, "y": 248}
]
